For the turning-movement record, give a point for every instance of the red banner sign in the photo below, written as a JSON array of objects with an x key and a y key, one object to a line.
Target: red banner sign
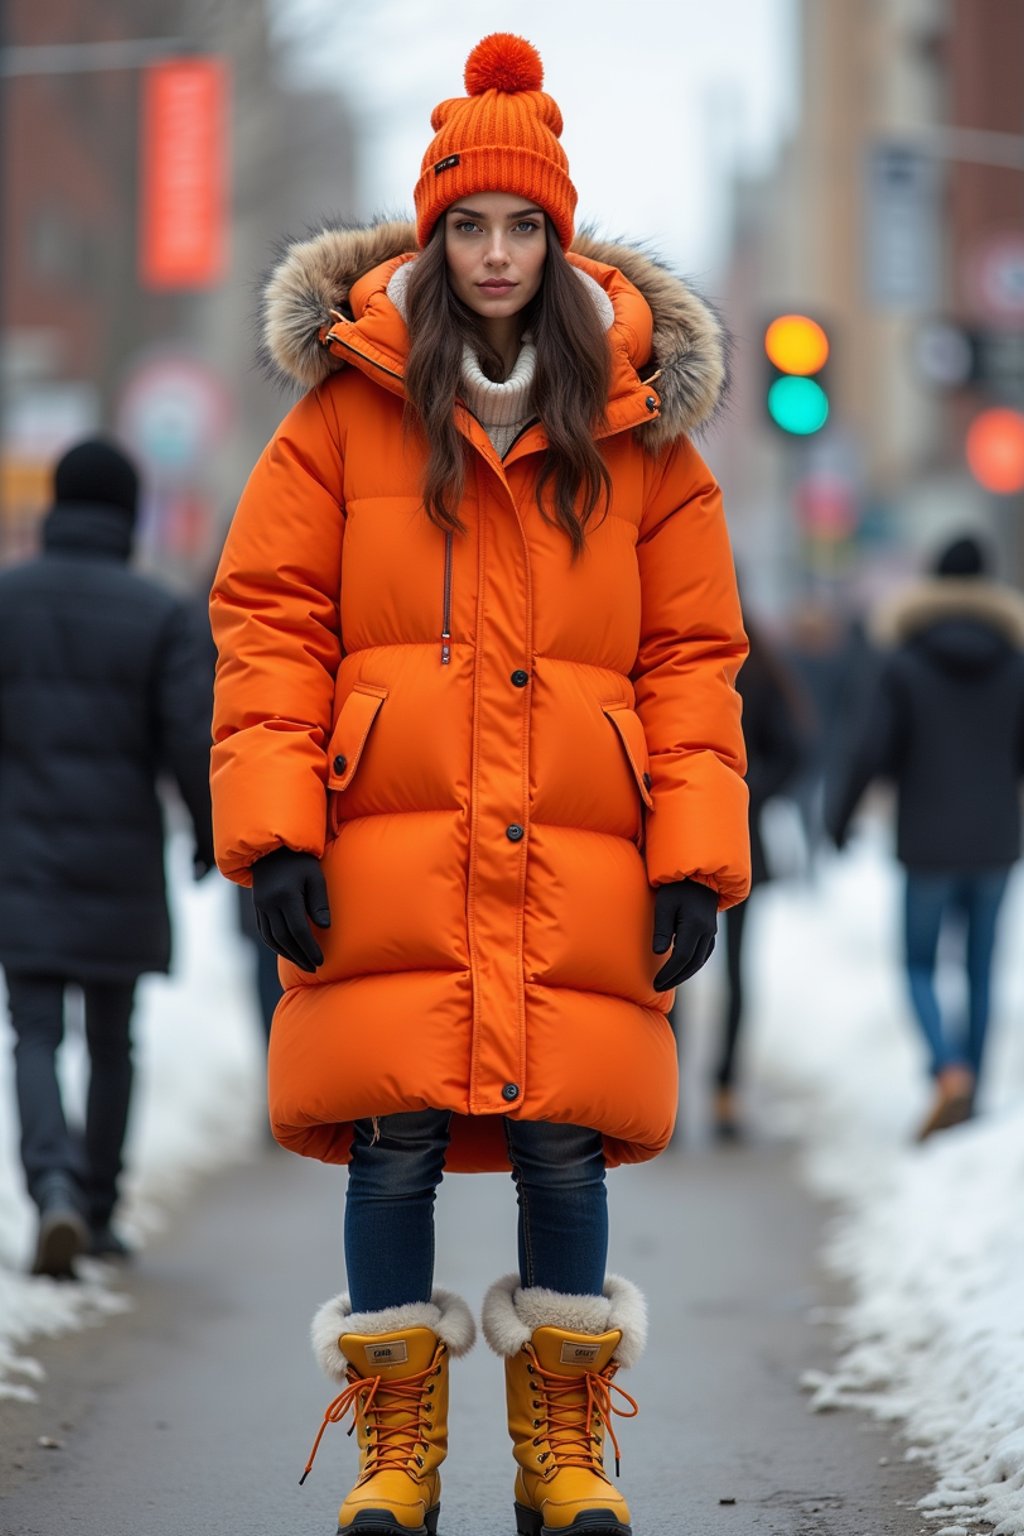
[{"x": 184, "y": 167}]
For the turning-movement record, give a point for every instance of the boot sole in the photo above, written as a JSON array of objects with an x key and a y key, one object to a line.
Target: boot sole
[
  {"x": 381, "y": 1522},
  {"x": 62, "y": 1237},
  {"x": 592, "y": 1522}
]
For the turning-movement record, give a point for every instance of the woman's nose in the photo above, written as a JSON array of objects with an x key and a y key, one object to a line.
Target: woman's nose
[{"x": 497, "y": 256}]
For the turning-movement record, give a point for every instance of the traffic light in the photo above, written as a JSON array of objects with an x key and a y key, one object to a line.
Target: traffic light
[
  {"x": 995, "y": 450},
  {"x": 797, "y": 350}
]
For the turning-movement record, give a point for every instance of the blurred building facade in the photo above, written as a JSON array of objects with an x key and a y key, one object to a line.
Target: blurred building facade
[
  {"x": 905, "y": 176},
  {"x": 88, "y": 345}
]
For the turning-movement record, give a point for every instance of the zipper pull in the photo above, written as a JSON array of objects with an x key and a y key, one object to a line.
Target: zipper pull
[{"x": 446, "y": 648}]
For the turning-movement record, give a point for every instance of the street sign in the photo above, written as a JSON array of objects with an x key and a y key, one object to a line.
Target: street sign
[
  {"x": 995, "y": 279},
  {"x": 943, "y": 354},
  {"x": 902, "y": 227},
  {"x": 172, "y": 412}
]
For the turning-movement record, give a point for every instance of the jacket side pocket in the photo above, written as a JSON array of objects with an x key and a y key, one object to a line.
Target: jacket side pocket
[
  {"x": 348, "y": 739},
  {"x": 630, "y": 731}
]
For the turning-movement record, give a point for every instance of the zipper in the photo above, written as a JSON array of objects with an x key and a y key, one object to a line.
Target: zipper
[
  {"x": 446, "y": 621},
  {"x": 355, "y": 350}
]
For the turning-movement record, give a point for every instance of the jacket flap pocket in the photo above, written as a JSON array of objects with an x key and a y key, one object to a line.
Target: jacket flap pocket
[
  {"x": 631, "y": 734},
  {"x": 350, "y": 734}
]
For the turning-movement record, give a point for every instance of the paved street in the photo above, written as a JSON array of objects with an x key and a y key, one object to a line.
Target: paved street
[{"x": 195, "y": 1412}]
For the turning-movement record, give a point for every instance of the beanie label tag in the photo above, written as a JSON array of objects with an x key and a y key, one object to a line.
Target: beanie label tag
[{"x": 445, "y": 164}]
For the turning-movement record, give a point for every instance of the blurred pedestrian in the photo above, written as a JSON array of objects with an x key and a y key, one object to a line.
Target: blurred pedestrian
[
  {"x": 774, "y": 732},
  {"x": 477, "y": 618},
  {"x": 946, "y": 725},
  {"x": 103, "y": 688}
]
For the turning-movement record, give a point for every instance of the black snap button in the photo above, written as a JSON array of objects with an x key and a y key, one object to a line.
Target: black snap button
[
  {"x": 510, "y": 1091},
  {"x": 340, "y": 764},
  {"x": 651, "y": 403},
  {"x": 520, "y": 678},
  {"x": 648, "y": 781},
  {"x": 514, "y": 832}
]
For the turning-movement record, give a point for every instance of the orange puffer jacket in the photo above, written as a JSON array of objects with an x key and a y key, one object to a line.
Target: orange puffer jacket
[{"x": 495, "y": 752}]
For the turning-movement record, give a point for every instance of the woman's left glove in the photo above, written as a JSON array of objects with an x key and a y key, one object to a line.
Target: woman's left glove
[
  {"x": 685, "y": 921},
  {"x": 289, "y": 892}
]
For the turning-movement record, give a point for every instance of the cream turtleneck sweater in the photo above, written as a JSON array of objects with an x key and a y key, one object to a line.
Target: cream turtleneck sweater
[{"x": 501, "y": 409}]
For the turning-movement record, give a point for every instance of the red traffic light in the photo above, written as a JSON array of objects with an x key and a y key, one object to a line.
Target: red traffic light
[{"x": 995, "y": 450}]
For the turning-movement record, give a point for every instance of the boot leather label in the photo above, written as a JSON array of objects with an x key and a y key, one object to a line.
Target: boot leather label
[
  {"x": 579, "y": 1354},
  {"x": 395, "y": 1352}
]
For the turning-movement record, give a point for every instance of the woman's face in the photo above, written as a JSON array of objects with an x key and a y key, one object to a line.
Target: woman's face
[{"x": 495, "y": 244}]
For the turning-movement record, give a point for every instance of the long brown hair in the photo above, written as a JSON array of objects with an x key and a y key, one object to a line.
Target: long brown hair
[{"x": 570, "y": 390}]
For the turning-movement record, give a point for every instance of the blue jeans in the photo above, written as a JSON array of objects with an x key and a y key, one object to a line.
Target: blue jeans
[
  {"x": 559, "y": 1175},
  {"x": 930, "y": 899}
]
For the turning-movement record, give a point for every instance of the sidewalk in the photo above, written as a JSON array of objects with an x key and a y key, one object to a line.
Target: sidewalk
[{"x": 195, "y": 1412}]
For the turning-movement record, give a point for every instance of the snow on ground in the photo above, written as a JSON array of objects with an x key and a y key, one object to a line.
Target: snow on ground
[
  {"x": 198, "y": 1104},
  {"x": 929, "y": 1238}
]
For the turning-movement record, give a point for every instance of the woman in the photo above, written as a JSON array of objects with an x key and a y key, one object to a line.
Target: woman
[{"x": 478, "y": 633}]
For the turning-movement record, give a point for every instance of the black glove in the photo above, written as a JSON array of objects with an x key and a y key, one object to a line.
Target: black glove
[
  {"x": 289, "y": 891},
  {"x": 685, "y": 912}
]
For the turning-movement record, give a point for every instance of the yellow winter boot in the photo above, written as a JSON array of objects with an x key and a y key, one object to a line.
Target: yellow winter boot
[
  {"x": 395, "y": 1366},
  {"x": 561, "y": 1354}
]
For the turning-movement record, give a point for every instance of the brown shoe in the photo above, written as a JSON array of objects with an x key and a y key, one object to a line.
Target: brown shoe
[{"x": 954, "y": 1101}]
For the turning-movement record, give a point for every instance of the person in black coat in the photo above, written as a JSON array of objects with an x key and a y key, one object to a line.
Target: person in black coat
[
  {"x": 946, "y": 725},
  {"x": 773, "y": 734},
  {"x": 103, "y": 689}
]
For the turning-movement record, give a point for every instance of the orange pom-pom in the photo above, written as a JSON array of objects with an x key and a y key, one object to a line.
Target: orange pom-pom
[{"x": 503, "y": 62}]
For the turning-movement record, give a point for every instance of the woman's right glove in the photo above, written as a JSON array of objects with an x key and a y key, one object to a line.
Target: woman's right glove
[
  {"x": 685, "y": 921},
  {"x": 289, "y": 891}
]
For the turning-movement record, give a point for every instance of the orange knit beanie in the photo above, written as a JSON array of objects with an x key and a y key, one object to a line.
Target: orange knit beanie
[{"x": 503, "y": 137}]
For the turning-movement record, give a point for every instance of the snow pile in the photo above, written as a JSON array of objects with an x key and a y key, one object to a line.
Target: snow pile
[
  {"x": 928, "y": 1237},
  {"x": 198, "y": 1104}
]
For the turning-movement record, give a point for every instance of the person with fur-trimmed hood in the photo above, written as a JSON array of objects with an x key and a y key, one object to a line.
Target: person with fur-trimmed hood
[
  {"x": 945, "y": 723},
  {"x": 478, "y": 751}
]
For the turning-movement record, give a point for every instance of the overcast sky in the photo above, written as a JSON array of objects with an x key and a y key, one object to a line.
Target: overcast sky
[{"x": 662, "y": 99}]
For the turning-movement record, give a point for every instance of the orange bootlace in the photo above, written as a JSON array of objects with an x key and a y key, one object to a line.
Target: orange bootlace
[
  {"x": 570, "y": 1436},
  {"x": 393, "y": 1444}
]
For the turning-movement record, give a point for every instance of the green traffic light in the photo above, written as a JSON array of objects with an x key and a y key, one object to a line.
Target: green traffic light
[{"x": 798, "y": 405}]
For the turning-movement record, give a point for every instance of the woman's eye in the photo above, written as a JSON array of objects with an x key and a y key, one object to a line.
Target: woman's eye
[
  {"x": 528, "y": 225},
  {"x": 464, "y": 224}
]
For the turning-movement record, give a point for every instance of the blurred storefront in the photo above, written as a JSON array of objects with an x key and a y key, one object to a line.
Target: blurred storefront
[{"x": 154, "y": 159}]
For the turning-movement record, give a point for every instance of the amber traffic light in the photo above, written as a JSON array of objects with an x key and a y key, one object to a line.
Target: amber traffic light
[{"x": 797, "y": 349}]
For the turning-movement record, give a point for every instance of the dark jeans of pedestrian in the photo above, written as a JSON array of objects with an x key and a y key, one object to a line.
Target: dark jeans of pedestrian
[
  {"x": 398, "y": 1162},
  {"x": 735, "y": 927},
  {"x": 47, "y": 1147},
  {"x": 931, "y": 901}
]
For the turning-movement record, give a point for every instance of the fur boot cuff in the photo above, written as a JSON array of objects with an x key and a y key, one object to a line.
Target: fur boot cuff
[
  {"x": 511, "y": 1314},
  {"x": 445, "y": 1314}
]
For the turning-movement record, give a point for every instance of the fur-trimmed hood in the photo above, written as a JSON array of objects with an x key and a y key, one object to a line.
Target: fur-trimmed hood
[
  {"x": 944, "y": 599},
  {"x": 683, "y": 352}
]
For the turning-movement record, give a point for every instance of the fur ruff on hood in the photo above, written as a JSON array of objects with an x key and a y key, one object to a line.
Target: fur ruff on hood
[
  {"x": 690, "y": 357},
  {"x": 512, "y": 1314},
  {"x": 446, "y": 1315},
  {"x": 938, "y": 598}
]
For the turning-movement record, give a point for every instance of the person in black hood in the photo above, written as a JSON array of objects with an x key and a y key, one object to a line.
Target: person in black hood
[
  {"x": 103, "y": 689},
  {"x": 946, "y": 725}
]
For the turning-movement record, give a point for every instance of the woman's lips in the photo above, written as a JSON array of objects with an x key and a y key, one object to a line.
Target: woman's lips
[{"x": 496, "y": 287}]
